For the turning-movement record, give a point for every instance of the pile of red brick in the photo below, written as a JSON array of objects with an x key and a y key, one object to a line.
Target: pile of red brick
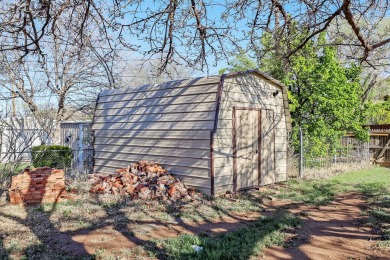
[
  {"x": 142, "y": 180},
  {"x": 40, "y": 185}
]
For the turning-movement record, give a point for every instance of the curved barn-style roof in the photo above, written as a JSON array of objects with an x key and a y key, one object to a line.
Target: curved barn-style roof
[
  {"x": 151, "y": 106},
  {"x": 187, "y": 126}
]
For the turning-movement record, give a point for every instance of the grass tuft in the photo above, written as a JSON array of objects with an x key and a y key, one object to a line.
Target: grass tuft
[{"x": 239, "y": 244}]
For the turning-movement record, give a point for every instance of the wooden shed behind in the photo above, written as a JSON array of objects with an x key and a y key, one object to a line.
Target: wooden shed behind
[{"x": 215, "y": 133}]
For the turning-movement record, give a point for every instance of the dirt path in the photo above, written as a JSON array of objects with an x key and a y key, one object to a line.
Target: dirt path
[
  {"x": 111, "y": 238},
  {"x": 335, "y": 231}
]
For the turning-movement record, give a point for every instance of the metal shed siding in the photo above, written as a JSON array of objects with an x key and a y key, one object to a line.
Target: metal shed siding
[
  {"x": 252, "y": 91},
  {"x": 169, "y": 123}
]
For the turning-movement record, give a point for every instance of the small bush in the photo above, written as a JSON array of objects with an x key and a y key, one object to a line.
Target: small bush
[{"x": 54, "y": 156}]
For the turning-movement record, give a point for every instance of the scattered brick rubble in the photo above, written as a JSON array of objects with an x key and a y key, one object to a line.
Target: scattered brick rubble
[
  {"x": 143, "y": 180},
  {"x": 38, "y": 185}
]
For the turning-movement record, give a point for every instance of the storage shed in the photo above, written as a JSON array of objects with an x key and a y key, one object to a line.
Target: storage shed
[{"x": 217, "y": 134}]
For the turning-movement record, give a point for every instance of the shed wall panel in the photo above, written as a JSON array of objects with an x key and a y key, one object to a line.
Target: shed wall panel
[
  {"x": 191, "y": 116},
  {"x": 166, "y": 85},
  {"x": 201, "y": 98},
  {"x": 151, "y": 125},
  {"x": 166, "y": 160},
  {"x": 157, "y": 151},
  {"x": 160, "y": 93},
  {"x": 168, "y": 123},
  {"x": 164, "y": 135},
  {"x": 157, "y": 109},
  {"x": 172, "y": 123},
  {"x": 153, "y": 143},
  {"x": 248, "y": 91}
]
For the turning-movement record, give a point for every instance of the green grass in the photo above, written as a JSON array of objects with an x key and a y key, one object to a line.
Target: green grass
[
  {"x": 368, "y": 176},
  {"x": 373, "y": 182},
  {"x": 239, "y": 244}
]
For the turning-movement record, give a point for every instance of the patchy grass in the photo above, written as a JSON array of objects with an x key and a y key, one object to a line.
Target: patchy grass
[
  {"x": 379, "y": 218},
  {"x": 27, "y": 232},
  {"x": 374, "y": 183},
  {"x": 240, "y": 244}
]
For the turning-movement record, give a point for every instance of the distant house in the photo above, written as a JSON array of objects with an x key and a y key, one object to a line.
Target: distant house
[
  {"x": 217, "y": 134},
  {"x": 17, "y": 136}
]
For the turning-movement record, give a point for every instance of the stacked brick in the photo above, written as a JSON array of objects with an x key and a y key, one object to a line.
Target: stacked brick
[{"x": 40, "y": 185}]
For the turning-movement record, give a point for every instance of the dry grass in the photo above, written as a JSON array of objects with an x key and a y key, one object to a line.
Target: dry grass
[
  {"x": 31, "y": 232},
  {"x": 335, "y": 170},
  {"x": 51, "y": 231}
]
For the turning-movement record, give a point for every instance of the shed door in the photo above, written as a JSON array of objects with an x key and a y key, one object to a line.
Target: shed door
[
  {"x": 247, "y": 145},
  {"x": 267, "y": 147}
]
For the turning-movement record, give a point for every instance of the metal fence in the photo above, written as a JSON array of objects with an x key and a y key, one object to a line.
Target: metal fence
[
  {"x": 350, "y": 154},
  {"x": 77, "y": 162}
]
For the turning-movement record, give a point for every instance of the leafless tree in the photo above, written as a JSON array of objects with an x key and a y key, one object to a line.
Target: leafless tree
[
  {"x": 140, "y": 72},
  {"x": 192, "y": 31},
  {"x": 66, "y": 74}
]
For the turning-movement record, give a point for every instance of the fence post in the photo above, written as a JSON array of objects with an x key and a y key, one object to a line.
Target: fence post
[
  {"x": 80, "y": 152},
  {"x": 300, "y": 153}
]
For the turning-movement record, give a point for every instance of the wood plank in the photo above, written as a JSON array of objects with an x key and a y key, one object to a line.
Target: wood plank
[
  {"x": 166, "y": 85},
  {"x": 280, "y": 156},
  {"x": 223, "y": 189},
  {"x": 107, "y": 166},
  {"x": 136, "y": 142},
  {"x": 197, "y": 125},
  {"x": 223, "y": 180},
  {"x": 254, "y": 80},
  {"x": 281, "y": 177},
  {"x": 280, "y": 170},
  {"x": 156, "y": 151},
  {"x": 195, "y": 116},
  {"x": 163, "y": 160},
  {"x": 159, "y": 93},
  {"x": 281, "y": 162},
  {"x": 223, "y": 171},
  {"x": 382, "y": 152},
  {"x": 281, "y": 131},
  {"x": 259, "y": 99},
  {"x": 228, "y": 132},
  {"x": 164, "y": 109},
  {"x": 225, "y": 123},
  {"x": 223, "y": 142},
  {"x": 267, "y": 147},
  {"x": 223, "y": 161},
  {"x": 222, "y": 151},
  {"x": 255, "y": 98},
  {"x": 208, "y": 97},
  {"x": 123, "y": 133}
]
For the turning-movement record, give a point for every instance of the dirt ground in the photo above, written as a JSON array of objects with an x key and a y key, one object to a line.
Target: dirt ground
[
  {"x": 112, "y": 239},
  {"x": 338, "y": 230},
  {"x": 335, "y": 231}
]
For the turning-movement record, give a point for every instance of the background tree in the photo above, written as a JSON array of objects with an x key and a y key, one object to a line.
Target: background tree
[
  {"x": 325, "y": 95},
  {"x": 63, "y": 82},
  {"x": 193, "y": 32}
]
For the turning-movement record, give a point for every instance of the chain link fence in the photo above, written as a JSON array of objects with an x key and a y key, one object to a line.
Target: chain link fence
[
  {"x": 350, "y": 154},
  {"x": 79, "y": 162}
]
